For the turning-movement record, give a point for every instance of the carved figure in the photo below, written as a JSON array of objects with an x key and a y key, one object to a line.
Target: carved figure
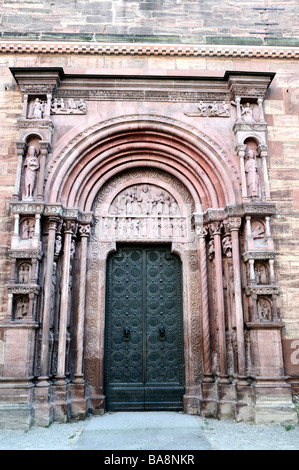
[
  {"x": 261, "y": 274},
  {"x": 24, "y": 273},
  {"x": 258, "y": 231},
  {"x": 58, "y": 245},
  {"x": 129, "y": 199},
  {"x": 264, "y": 310},
  {"x": 213, "y": 109},
  {"x": 145, "y": 201},
  {"x": 227, "y": 246},
  {"x": 202, "y": 108},
  {"x": 31, "y": 166},
  {"x": 247, "y": 113},
  {"x": 160, "y": 200},
  {"x": 21, "y": 309},
  {"x": 211, "y": 249},
  {"x": 38, "y": 108},
  {"x": 82, "y": 106},
  {"x": 27, "y": 229},
  {"x": 251, "y": 171}
]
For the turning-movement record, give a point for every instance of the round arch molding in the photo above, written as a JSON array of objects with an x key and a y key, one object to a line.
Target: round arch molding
[{"x": 93, "y": 155}]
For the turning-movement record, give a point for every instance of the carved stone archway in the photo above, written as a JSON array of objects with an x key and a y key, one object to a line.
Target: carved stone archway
[{"x": 88, "y": 193}]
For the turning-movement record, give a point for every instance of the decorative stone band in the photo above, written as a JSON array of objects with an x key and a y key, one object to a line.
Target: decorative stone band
[
  {"x": 47, "y": 47},
  {"x": 259, "y": 255},
  {"x": 262, "y": 290},
  {"x": 30, "y": 254},
  {"x": 21, "y": 289}
]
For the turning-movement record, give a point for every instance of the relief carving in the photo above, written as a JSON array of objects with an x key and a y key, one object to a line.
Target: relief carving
[
  {"x": 68, "y": 106},
  {"x": 27, "y": 229},
  {"x": 21, "y": 308},
  {"x": 24, "y": 273},
  {"x": 264, "y": 309}
]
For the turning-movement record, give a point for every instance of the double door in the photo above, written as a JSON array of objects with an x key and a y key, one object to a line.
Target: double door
[{"x": 144, "y": 360}]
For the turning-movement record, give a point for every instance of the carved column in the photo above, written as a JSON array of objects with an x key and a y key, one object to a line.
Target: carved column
[
  {"x": 233, "y": 224},
  {"x": 84, "y": 231},
  {"x": 263, "y": 153},
  {"x": 241, "y": 150},
  {"x": 44, "y": 361},
  {"x": 44, "y": 149},
  {"x": 69, "y": 227},
  {"x": 78, "y": 404},
  {"x": 201, "y": 233},
  {"x": 215, "y": 229},
  {"x": 21, "y": 149}
]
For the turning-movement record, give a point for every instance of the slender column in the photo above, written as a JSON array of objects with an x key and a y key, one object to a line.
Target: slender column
[
  {"x": 251, "y": 271},
  {"x": 234, "y": 223},
  {"x": 271, "y": 268},
  {"x": 69, "y": 226},
  {"x": 44, "y": 147},
  {"x": 263, "y": 153},
  {"x": 201, "y": 233},
  {"x": 16, "y": 225},
  {"x": 44, "y": 361},
  {"x": 21, "y": 148},
  {"x": 84, "y": 231},
  {"x": 25, "y": 106},
  {"x": 238, "y": 103},
  {"x": 241, "y": 149},
  {"x": 215, "y": 228},
  {"x": 48, "y": 107},
  {"x": 261, "y": 109}
]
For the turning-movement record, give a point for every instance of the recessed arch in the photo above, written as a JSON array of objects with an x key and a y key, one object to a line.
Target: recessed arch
[{"x": 77, "y": 172}]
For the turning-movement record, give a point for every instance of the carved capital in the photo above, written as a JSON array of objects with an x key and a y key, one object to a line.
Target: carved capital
[
  {"x": 234, "y": 223},
  {"x": 215, "y": 228},
  {"x": 84, "y": 230},
  {"x": 70, "y": 226}
]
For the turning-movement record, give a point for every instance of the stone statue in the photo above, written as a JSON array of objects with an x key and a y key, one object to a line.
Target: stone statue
[
  {"x": 251, "y": 171},
  {"x": 31, "y": 166},
  {"x": 264, "y": 310},
  {"x": 202, "y": 108},
  {"x": 24, "y": 273},
  {"x": 38, "y": 109},
  {"x": 247, "y": 113}
]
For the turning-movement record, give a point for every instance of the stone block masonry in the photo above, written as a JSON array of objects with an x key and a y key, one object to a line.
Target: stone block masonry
[{"x": 199, "y": 20}]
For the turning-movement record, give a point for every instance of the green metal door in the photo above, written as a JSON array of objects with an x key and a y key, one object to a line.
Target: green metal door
[{"x": 144, "y": 360}]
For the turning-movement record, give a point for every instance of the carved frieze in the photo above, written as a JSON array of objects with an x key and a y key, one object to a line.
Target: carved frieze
[
  {"x": 19, "y": 254},
  {"x": 211, "y": 109},
  {"x": 27, "y": 207},
  {"x": 258, "y": 255},
  {"x": 22, "y": 289},
  {"x": 68, "y": 106}
]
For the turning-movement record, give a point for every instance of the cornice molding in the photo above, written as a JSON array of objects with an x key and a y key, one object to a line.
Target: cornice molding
[{"x": 119, "y": 49}]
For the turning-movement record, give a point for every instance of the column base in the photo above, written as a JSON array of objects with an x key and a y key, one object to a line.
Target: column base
[
  {"x": 61, "y": 403},
  {"x": 227, "y": 400},
  {"x": 43, "y": 408},
  {"x": 209, "y": 400},
  {"x": 78, "y": 407},
  {"x": 192, "y": 401}
]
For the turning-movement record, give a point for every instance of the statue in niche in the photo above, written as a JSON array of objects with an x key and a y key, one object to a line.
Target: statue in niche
[
  {"x": 21, "y": 310},
  {"x": 251, "y": 171},
  {"x": 261, "y": 274},
  {"x": 24, "y": 273},
  {"x": 264, "y": 309},
  {"x": 38, "y": 109},
  {"x": 27, "y": 229},
  {"x": 31, "y": 166},
  {"x": 247, "y": 113}
]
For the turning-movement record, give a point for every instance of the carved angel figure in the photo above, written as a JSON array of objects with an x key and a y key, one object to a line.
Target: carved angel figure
[{"x": 31, "y": 166}]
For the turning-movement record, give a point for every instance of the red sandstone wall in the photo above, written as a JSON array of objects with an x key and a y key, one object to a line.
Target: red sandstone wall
[
  {"x": 201, "y": 19},
  {"x": 282, "y": 111}
]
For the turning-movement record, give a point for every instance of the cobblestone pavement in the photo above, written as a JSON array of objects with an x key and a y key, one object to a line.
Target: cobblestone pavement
[{"x": 152, "y": 431}]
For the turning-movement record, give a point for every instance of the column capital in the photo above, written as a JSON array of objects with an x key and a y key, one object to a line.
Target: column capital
[
  {"x": 234, "y": 223},
  {"x": 84, "y": 230},
  {"x": 215, "y": 227}
]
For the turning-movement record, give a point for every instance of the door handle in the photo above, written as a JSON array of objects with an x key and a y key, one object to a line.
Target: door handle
[
  {"x": 127, "y": 331},
  {"x": 162, "y": 332}
]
